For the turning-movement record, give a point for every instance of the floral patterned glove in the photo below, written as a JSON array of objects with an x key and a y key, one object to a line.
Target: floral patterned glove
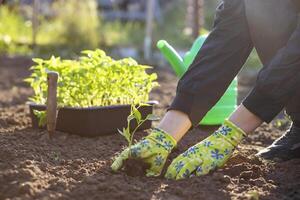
[
  {"x": 207, "y": 155},
  {"x": 153, "y": 149}
]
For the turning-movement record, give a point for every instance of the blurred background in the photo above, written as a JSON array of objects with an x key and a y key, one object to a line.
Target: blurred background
[{"x": 123, "y": 28}]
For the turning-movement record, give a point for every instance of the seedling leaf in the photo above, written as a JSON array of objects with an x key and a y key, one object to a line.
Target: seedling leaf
[
  {"x": 136, "y": 114},
  {"x": 130, "y": 117},
  {"x": 152, "y": 117},
  {"x": 125, "y": 133},
  {"x": 144, "y": 104}
]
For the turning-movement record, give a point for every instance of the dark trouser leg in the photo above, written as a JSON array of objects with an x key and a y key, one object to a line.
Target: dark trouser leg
[
  {"x": 293, "y": 108},
  {"x": 278, "y": 82},
  {"x": 273, "y": 27},
  {"x": 217, "y": 63}
]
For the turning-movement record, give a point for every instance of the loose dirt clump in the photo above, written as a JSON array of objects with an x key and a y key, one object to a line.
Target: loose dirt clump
[
  {"x": 135, "y": 167},
  {"x": 72, "y": 167}
]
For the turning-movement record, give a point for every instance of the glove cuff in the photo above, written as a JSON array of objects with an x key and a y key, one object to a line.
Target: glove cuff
[
  {"x": 162, "y": 138},
  {"x": 231, "y": 132}
]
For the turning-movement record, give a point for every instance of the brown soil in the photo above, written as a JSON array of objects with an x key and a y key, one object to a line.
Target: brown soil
[
  {"x": 73, "y": 167},
  {"x": 135, "y": 167}
]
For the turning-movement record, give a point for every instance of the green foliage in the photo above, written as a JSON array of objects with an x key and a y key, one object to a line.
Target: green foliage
[
  {"x": 74, "y": 27},
  {"x": 93, "y": 80},
  {"x": 117, "y": 33},
  {"x": 42, "y": 117},
  {"x": 135, "y": 115},
  {"x": 173, "y": 26},
  {"x": 15, "y": 32}
]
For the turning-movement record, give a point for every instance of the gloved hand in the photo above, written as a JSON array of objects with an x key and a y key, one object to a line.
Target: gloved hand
[
  {"x": 207, "y": 155},
  {"x": 153, "y": 149}
]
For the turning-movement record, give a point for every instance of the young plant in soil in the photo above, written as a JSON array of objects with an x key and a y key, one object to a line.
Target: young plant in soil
[{"x": 135, "y": 166}]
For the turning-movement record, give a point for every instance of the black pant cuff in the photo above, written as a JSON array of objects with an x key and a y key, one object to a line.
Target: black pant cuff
[
  {"x": 184, "y": 102},
  {"x": 262, "y": 106}
]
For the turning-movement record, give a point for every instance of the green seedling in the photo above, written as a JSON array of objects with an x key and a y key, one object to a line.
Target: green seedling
[
  {"x": 135, "y": 115},
  {"x": 95, "y": 79},
  {"x": 42, "y": 117}
]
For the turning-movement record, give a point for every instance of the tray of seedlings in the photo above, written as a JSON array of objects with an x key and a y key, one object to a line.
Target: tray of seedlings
[{"x": 90, "y": 96}]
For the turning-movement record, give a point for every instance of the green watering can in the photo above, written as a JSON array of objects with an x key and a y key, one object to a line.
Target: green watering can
[{"x": 226, "y": 105}]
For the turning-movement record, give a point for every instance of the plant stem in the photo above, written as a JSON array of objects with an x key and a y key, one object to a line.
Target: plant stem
[{"x": 132, "y": 135}]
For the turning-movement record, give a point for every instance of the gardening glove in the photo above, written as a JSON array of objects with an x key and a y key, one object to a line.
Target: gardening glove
[
  {"x": 153, "y": 149},
  {"x": 207, "y": 155}
]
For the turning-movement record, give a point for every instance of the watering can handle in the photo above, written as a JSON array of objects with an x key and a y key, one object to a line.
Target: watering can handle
[
  {"x": 52, "y": 78},
  {"x": 172, "y": 57}
]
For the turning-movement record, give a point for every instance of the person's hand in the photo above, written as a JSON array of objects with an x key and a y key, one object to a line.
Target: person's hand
[
  {"x": 153, "y": 150},
  {"x": 207, "y": 155}
]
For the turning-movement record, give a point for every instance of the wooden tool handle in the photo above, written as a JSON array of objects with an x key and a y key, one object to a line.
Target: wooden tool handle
[{"x": 52, "y": 78}]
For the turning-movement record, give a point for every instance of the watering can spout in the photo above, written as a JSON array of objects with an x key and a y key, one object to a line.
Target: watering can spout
[{"x": 172, "y": 56}]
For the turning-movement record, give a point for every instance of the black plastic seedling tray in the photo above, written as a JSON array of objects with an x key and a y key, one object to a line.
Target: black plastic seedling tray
[{"x": 92, "y": 121}]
